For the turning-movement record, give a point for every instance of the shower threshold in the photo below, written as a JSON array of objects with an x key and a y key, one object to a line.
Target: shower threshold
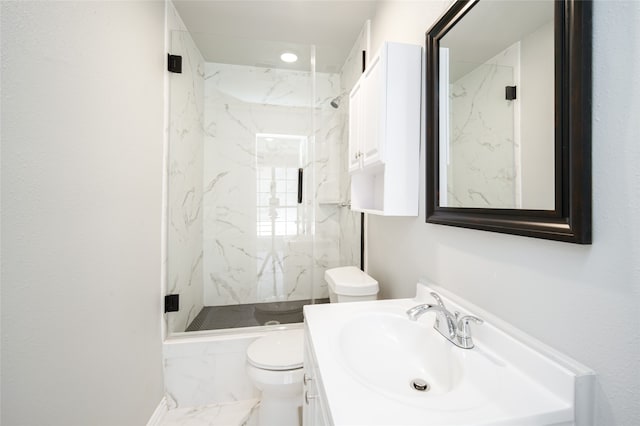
[{"x": 250, "y": 315}]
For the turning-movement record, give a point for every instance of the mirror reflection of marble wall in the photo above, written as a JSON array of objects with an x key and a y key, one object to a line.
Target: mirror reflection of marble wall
[
  {"x": 494, "y": 152},
  {"x": 481, "y": 165}
]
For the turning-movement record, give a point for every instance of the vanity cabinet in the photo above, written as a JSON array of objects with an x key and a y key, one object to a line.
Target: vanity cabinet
[
  {"x": 384, "y": 133},
  {"x": 314, "y": 405}
]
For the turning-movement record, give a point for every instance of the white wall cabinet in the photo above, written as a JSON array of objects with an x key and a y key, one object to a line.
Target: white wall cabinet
[
  {"x": 384, "y": 133},
  {"x": 373, "y": 123},
  {"x": 355, "y": 126}
]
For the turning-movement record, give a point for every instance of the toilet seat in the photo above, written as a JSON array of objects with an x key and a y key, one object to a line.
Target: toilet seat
[{"x": 280, "y": 351}]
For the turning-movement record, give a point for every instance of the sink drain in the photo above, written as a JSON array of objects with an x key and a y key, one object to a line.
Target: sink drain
[
  {"x": 420, "y": 385},
  {"x": 272, "y": 322}
]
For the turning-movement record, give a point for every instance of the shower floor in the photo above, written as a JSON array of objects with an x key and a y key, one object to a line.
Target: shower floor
[{"x": 250, "y": 315}]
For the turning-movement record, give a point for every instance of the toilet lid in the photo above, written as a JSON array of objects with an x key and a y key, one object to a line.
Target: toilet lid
[
  {"x": 282, "y": 350},
  {"x": 351, "y": 281}
]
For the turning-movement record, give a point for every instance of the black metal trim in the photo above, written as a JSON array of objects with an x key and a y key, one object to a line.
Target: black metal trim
[
  {"x": 174, "y": 63},
  {"x": 300, "y": 181},
  {"x": 362, "y": 242},
  {"x": 364, "y": 61},
  {"x": 570, "y": 221},
  {"x": 364, "y": 68},
  {"x": 171, "y": 303}
]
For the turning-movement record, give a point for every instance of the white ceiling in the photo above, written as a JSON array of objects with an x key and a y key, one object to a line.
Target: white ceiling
[{"x": 256, "y": 32}]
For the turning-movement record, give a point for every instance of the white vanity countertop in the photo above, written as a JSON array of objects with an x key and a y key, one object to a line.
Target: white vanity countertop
[{"x": 531, "y": 389}]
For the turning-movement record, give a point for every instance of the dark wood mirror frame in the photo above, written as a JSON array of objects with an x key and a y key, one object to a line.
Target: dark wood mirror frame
[{"x": 571, "y": 219}]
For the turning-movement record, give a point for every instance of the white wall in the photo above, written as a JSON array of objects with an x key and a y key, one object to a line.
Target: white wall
[
  {"x": 82, "y": 132},
  {"x": 582, "y": 300}
]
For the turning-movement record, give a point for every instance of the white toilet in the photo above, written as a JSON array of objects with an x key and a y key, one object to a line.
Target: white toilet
[
  {"x": 275, "y": 361},
  {"x": 275, "y": 367},
  {"x": 350, "y": 284}
]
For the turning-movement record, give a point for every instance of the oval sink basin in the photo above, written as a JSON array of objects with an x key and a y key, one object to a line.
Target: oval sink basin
[{"x": 387, "y": 352}]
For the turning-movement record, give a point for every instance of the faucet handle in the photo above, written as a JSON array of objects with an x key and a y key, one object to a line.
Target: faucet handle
[
  {"x": 463, "y": 331},
  {"x": 463, "y": 322}
]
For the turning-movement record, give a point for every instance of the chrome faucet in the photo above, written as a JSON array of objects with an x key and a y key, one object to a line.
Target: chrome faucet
[{"x": 452, "y": 326}]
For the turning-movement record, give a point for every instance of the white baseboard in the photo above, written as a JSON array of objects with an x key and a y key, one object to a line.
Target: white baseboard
[{"x": 159, "y": 413}]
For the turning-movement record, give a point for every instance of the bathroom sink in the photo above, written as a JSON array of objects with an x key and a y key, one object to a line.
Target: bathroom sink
[
  {"x": 397, "y": 357},
  {"x": 367, "y": 356}
]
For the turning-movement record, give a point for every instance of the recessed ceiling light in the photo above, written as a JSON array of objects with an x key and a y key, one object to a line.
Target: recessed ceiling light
[{"x": 289, "y": 57}]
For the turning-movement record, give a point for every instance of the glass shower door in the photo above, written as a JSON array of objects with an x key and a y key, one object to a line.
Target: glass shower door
[
  {"x": 243, "y": 248},
  {"x": 258, "y": 239}
]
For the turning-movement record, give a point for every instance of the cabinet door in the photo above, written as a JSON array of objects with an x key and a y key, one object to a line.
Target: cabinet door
[
  {"x": 309, "y": 409},
  {"x": 355, "y": 126},
  {"x": 373, "y": 128},
  {"x": 313, "y": 411}
]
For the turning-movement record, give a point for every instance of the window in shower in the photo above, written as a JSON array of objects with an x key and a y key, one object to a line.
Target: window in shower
[
  {"x": 277, "y": 162},
  {"x": 277, "y": 201},
  {"x": 279, "y": 217}
]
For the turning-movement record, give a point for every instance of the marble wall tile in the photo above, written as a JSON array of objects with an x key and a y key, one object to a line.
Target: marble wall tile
[
  {"x": 352, "y": 68},
  {"x": 242, "y": 102},
  {"x": 330, "y": 125},
  {"x": 348, "y": 221},
  {"x": 482, "y": 169},
  {"x": 184, "y": 204},
  {"x": 207, "y": 372},
  {"x": 241, "y": 413},
  {"x": 217, "y": 111}
]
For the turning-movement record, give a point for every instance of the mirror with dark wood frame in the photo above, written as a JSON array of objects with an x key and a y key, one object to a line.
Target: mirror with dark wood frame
[{"x": 554, "y": 202}]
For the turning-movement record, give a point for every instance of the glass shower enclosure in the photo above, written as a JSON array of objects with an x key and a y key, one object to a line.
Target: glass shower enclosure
[{"x": 253, "y": 188}]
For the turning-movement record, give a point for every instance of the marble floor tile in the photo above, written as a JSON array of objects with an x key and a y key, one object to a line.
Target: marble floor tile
[{"x": 238, "y": 413}]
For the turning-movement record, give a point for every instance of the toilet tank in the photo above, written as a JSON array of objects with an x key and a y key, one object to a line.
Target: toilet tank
[{"x": 350, "y": 284}]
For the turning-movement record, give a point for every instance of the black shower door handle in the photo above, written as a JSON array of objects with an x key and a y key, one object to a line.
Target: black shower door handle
[{"x": 300, "y": 173}]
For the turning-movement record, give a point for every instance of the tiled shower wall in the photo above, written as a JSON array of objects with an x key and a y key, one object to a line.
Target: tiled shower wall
[
  {"x": 242, "y": 102},
  {"x": 184, "y": 233},
  {"x": 349, "y": 222},
  {"x": 216, "y": 111}
]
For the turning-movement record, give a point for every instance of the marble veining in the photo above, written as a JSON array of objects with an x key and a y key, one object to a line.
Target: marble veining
[
  {"x": 244, "y": 107},
  {"x": 240, "y": 413},
  {"x": 348, "y": 221},
  {"x": 482, "y": 158},
  {"x": 201, "y": 373},
  {"x": 184, "y": 203},
  {"x": 220, "y": 117}
]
